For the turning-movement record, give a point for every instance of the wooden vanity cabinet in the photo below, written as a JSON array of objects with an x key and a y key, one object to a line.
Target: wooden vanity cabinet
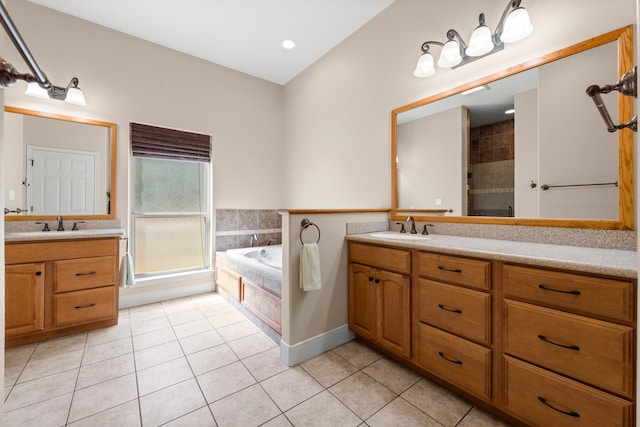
[
  {"x": 379, "y": 299},
  {"x": 59, "y": 288}
]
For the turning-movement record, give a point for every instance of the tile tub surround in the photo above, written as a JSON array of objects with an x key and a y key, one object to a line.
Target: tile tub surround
[
  {"x": 194, "y": 361},
  {"x": 234, "y": 227}
]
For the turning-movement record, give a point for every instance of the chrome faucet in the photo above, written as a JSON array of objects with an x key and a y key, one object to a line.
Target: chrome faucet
[
  {"x": 413, "y": 225},
  {"x": 59, "y": 219},
  {"x": 254, "y": 238}
]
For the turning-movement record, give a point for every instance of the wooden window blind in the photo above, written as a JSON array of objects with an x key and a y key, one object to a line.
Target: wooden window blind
[{"x": 152, "y": 141}]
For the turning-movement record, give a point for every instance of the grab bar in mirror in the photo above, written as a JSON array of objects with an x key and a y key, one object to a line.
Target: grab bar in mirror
[
  {"x": 627, "y": 85},
  {"x": 546, "y": 187}
]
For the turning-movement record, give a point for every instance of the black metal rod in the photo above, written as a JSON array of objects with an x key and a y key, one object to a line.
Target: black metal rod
[
  {"x": 546, "y": 187},
  {"x": 13, "y": 33}
]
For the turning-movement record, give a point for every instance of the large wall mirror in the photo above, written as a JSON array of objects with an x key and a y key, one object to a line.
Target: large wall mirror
[
  {"x": 58, "y": 165},
  {"x": 527, "y": 148}
]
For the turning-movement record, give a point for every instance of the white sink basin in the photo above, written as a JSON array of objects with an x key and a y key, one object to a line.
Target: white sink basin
[
  {"x": 400, "y": 236},
  {"x": 52, "y": 235}
]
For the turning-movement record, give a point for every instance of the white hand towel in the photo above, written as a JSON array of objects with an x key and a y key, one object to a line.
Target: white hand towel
[
  {"x": 127, "y": 275},
  {"x": 310, "y": 267}
]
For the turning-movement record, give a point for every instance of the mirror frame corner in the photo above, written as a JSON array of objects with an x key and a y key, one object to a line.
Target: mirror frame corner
[
  {"x": 113, "y": 138},
  {"x": 626, "y": 202}
]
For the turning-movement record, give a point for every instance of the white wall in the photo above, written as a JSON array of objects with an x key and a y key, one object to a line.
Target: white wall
[
  {"x": 526, "y": 162},
  {"x": 337, "y": 112}
]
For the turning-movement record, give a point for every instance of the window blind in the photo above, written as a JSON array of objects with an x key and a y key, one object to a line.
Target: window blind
[{"x": 152, "y": 141}]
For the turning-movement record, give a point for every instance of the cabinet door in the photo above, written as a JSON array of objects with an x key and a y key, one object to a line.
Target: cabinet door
[
  {"x": 24, "y": 296},
  {"x": 394, "y": 315},
  {"x": 362, "y": 301}
]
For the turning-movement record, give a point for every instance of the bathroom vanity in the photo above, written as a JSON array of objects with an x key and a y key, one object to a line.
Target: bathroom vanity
[
  {"x": 539, "y": 334},
  {"x": 60, "y": 283}
]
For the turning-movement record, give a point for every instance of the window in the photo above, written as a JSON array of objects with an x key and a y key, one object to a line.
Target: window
[{"x": 170, "y": 207}]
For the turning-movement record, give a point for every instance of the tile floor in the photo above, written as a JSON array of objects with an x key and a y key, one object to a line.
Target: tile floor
[{"x": 198, "y": 362}]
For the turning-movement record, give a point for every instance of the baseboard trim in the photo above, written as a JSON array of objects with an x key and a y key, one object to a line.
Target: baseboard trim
[{"x": 298, "y": 353}]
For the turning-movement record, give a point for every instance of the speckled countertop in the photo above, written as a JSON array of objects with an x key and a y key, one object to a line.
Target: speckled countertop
[
  {"x": 611, "y": 262},
  {"x": 35, "y": 236}
]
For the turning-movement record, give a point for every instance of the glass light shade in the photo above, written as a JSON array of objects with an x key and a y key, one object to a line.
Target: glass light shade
[
  {"x": 34, "y": 89},
  {"x": 75, "y": 96},
  {"x": 517, "y": 26},
  {"x": 450, "y": 55},
  {"x": 480, "y": 42},
  {"x": 425, "y": 67}
]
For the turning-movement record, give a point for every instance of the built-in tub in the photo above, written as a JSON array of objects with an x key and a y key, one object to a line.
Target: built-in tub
[{"x": 270, "y": 256}]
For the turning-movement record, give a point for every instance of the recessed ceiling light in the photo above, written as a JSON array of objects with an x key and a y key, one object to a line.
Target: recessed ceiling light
[
  {"x": 510, "y": 111},
  {"x": 288, "y": 44}
]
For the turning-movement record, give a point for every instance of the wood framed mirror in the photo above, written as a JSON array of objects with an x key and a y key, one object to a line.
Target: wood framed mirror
[
  {"x": 58, "y": 165},
  {"x": 563, "y": 171}
]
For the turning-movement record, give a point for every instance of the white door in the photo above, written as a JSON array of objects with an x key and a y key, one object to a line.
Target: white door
[{"x": 61, "y": 181}]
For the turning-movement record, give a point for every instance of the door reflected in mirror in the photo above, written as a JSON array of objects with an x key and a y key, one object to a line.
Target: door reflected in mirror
[{"x": 58, "y": 165}]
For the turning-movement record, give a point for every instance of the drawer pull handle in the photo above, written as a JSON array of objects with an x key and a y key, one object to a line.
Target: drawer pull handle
[
  {"x": 570, "y": 413},
  {"x": 457, "y": 362},
  {"x": 570, "y": 347},
  {"x": 377, "y": 281},
  {"x": 38, "y": 273},
  {"x": 371, "y": 279},
  {"x": 86, "y": 274},
  {"x": 546, "y": 288},
  {"x": 452, "y": 270},
  {"x": 86, "y": 306},
  {"x": 452, "y": 310}
]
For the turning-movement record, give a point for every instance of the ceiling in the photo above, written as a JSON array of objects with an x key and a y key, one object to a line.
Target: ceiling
[{"x": 244, "y": 35}]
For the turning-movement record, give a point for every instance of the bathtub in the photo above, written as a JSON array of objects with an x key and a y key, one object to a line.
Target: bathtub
[{"x": 270, "y": 256}]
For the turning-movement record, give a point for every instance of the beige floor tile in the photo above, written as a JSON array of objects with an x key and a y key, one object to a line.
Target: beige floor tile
[
  {"x": 159, "y": 354},
  {"x": 323, "y": 410},
  {"x": 362, "y": 394},
  {"x": 178, "y": 305},
  {"x": 127, "y": 414},
  {"x": 110, "y": 334},
  {"x": 201, "y": 418},
  {"x": 192, "y": 328},
  {"x": 358, "y": 354},
  {"x": 237, "y": 330},
  {"x": 171, "y": 403},
  {"x": 103, "y": 396},
  {"x": 401, "y": 413},
  {"x": 392, "y": 375},
  {"x": 227, "y": 318},
  {"x": 225, "y": 381},
  {"x": 201, "y": 341},
  {"x": 207, "y": 298},
  {"x": 146, "y": 315},
  {"x": 59, "y": 346},
  {"x": 180, "y": 317},
  {"x": 105, "y": 370},
  {"x": 18, "y": 355},
  {"x": 152, "y": 339},
  {"x": 441, "y": 404},
  {"x": 150, "y": 325},
  {"x": 11, "y": 374},
  {"x": 479, "y": 418},
  {"x": 38, "y": 368},
  {"x": 144, "y": 307},
  {"x": 266, "y": 364},
  {"x": 216, "y": 309},
  {"x": 291, "y": 387},
  {"x": 328, "y": 368},
  {"x": 248, "y": 407},
  {"x": 250, "y": 345},
  {"x": 98, "y": 353},
  {"x": 35, "y": 391},
  {"x": 279, "y": 421},
  {"x": 163, "y": 375},
  {"x": 211, "y": 358},
  {"x": 52, "y": 412}
]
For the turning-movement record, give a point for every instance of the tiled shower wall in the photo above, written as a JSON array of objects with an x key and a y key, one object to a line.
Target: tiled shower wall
[{"x": 234, "y": 227}]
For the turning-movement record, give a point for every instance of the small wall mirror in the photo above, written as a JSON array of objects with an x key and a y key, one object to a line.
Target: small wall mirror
[
  {"x": 528, "y": 147},
  {"x": 58, "y": 165}
]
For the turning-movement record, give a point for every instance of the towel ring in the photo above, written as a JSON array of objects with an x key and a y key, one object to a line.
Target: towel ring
[{"x": 305, "y": 223}]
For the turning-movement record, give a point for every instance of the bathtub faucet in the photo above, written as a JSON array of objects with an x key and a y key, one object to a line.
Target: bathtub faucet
[{"x": 254, "y": 238}]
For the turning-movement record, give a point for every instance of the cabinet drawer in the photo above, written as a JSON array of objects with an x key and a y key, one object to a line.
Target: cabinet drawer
[
  {"x": 597, "y": 352},
  {"x": 460, "y": 271},
  {"x": 84, "y": 273},
  {"x": 387, "y": 258},
  {"x": 84, "y": 306},
  {"x": 230, "y": 281},
  {"x": 589, "y": 295},
  {"x": 458, "y": 310},
  {"x": 545, "y": 399},
  {"x": 456, "y": 360}
]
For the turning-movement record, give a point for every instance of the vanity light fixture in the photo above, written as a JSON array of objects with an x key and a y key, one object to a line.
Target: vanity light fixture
[
  {"x": 38, "y": 83},
  {"x": 514, "y": 25}
]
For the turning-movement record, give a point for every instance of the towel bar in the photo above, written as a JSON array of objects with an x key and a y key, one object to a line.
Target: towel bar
[{"x": 305, "y": 223}]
